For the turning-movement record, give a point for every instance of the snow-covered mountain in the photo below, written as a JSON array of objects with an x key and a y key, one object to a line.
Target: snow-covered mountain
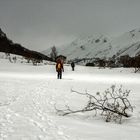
[{"x": 99, "y": 46}]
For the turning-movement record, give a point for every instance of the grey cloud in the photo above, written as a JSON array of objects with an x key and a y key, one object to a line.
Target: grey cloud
[{"x": 38, "y": 24}]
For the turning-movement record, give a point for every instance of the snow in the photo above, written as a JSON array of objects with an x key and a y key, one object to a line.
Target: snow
[{"x": 29, "y": 93}]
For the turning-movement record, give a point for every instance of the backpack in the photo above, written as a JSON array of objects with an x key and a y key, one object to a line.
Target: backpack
[{"x": 59, "y": 66}]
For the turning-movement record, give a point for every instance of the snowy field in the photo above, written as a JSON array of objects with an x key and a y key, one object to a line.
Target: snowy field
[{"x": 29, "y": 93}]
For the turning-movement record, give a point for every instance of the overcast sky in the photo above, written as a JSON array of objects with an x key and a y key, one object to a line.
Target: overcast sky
[{"x": 39, "y": 24}]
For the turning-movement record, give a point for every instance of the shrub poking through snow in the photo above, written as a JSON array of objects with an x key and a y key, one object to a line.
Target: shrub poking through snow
[{"x": 112, "y": 104}]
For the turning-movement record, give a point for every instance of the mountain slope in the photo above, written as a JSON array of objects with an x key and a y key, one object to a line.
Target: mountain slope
[
  {"x": 99, "y": 46},
  {"x": 128, "y": 43},
  {"x": 84, "y": 47},
  {"x": 7, "y": 46}
]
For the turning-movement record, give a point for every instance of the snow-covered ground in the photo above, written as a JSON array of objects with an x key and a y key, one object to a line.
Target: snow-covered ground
[{"x": 29, "y": 93}]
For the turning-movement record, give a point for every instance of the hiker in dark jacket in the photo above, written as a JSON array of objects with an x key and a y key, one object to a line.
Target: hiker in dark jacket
[
  {"x": 72, "y": 65},
  {"x": 59, "y": 69}
]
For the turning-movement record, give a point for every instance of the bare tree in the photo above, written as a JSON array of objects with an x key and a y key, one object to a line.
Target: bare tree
[
  {"x": 113, "y": 104},
  {"x": 53, "y": 53}
]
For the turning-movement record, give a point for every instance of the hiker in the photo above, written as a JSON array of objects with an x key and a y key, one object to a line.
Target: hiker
[
  {"x": 59, "y": 68},
  {"x": 72, "y": 65}
]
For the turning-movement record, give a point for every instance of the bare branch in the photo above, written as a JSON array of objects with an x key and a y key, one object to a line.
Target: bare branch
[{"x": 112, "y": 103}]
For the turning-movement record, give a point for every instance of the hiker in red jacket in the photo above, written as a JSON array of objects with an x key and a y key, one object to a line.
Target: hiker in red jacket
[{"x": 59, "y": 68}]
